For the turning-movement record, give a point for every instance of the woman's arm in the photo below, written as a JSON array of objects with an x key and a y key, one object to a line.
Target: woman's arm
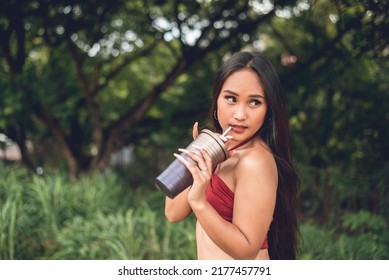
[{"x": 178, "y": 208}]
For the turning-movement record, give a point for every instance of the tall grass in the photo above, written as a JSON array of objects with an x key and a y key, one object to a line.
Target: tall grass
[
  {"x": 7, "y": 228},
  {"x": 10, "y": 194},
  {"x": 100, "y": 217},
  {"x": 94, "y": 217},
  {"x": 361, "y": 235}
]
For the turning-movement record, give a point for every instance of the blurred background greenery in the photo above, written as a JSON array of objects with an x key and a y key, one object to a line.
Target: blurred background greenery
[{"x": 95, "y": 96}]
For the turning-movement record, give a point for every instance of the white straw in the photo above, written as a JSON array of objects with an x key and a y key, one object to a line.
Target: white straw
[{"x": 226, "y": 131}]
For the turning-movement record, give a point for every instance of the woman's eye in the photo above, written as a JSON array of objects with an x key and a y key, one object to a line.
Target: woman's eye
[
  {"x": 230, "y": 99},
  {"x": 255, "y": 102}
]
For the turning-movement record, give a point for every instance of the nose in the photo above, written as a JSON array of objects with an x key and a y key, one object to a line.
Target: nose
[{"x": 240, "y": 114}]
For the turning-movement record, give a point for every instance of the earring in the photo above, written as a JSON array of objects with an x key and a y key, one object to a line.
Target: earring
[
  {"x": 215, "y": 115},
  {"x": 269, "y": 122}
]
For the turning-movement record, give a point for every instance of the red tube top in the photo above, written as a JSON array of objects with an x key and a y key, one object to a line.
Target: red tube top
[{"x": 222, "y": 199}]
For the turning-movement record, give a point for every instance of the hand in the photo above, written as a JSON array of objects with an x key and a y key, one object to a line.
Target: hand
[{"x": 200, "y": 166}]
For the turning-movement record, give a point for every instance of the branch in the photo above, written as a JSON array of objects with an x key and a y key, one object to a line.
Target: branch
[
  {"x": 60, "y": 135},
  {"x": 126, "y": 61},
  {"x": 135, "y": 115},
  {"x": 92, "y": 105},
  {"x": 137, "y": 112}
]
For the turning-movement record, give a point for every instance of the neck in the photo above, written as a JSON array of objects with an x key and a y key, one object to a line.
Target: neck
[{"x": 241, "y": 144}]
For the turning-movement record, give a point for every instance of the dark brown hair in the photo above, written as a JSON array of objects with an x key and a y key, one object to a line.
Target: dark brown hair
[{"x": 283, "y": 235}]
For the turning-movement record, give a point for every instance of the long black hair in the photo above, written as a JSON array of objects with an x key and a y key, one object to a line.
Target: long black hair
[{"x": 283, "y": 235}]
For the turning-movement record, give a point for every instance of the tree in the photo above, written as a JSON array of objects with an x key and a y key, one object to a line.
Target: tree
[
  {"x": 337, "y": 94},
  {"x": 68, "y": 64}
]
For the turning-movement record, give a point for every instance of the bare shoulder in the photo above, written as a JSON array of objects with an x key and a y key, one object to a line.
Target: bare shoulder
[{"x": 257, "y": 164}]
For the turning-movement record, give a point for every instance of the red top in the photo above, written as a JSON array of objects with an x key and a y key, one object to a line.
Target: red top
[{"x": 222, "y": 199}]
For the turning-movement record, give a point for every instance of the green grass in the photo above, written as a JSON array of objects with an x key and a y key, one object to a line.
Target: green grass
[
  {"x": 94, "y": 217},
  {"x": 101, "y": 217},
  {"x": 359, "y": 236}
]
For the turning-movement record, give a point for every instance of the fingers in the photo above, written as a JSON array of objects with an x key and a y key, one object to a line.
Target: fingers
[
  {"x": 208, "y": 160},
  {"x": 195, "y": 131},
  {"x": 201, "y": 162},
  {"x": 225, "y": 138},
  {"x": 195, "y": 169},
  {"x": 205, "y": 156}
]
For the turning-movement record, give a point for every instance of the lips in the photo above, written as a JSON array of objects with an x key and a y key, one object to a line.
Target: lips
[{"x": 238, "y": 128}]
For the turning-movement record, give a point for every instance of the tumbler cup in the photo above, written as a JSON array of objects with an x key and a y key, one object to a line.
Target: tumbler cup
[{"x": 176, "y": 177}]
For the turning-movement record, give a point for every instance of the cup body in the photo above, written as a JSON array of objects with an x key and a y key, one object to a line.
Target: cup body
[{"x": 176, "y": 177}]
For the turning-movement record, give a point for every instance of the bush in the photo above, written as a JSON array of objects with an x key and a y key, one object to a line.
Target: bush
[
  {"x": 56, "y": 217},
  {"x": 100, "y": 217},
  {"x": 361, "y": 235}
]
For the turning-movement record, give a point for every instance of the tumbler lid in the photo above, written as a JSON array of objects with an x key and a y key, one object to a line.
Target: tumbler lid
[{"x": 218, "y": 141}]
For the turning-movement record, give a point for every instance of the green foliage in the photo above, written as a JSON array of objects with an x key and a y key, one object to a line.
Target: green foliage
[
  {"x": 360, "y": 235},
  {"x": 97, "y": 217},
  {"x": 7, "y": 228},
  {"x": 336, "y": 92},
  {"x": 365, "y": 236},
  {"x": 327, "y": 193},
  {"x": 134, "y": 234},
  {"x": 57, "y": 217}
]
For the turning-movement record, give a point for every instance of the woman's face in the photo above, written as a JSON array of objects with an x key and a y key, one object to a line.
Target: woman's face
[{"x": 241, "y": 104}]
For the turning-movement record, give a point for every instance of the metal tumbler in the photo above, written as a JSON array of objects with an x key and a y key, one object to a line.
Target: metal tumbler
[{"x": 176, "y": 177}]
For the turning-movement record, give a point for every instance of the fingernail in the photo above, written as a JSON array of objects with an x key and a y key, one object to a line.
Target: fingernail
[
  {"x": 184, "y": 151},
  {"x": 181, "y": 158}
]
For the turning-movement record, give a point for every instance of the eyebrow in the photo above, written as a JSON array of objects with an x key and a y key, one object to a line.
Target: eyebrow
[{"x": 237, "y": 94}]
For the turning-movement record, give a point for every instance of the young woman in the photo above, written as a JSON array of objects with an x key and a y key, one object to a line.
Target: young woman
[{"x": 246, "y": 206}]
